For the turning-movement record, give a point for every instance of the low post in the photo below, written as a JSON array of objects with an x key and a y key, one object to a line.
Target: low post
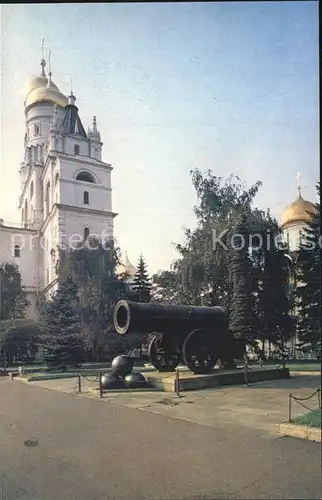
[
  {"x": 177, "y": 383},
  {"x": 100, "y": 384},
  {"x": 290, "y": 407},
  {"x": 246, "y": 368},
  {"x": 79, "y": 382},
  {"x": 283, "y": 361},
  {"x": 319, "y": 397}
]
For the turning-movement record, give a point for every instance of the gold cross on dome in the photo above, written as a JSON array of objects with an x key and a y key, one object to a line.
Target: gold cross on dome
[
  {"x": 42, "y": 48},
  {"x": 298, "y": 176}
]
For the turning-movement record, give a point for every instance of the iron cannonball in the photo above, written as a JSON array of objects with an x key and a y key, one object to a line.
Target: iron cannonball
[
  {"x": 135, "y": 380},
  {"x": 122, "y": 365},
  {"x": 112, "y": 381}
]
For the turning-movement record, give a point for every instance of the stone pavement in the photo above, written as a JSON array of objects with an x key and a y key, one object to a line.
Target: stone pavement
[
  {"x": 261, "y": 406},
  {"x": 59, "y": 446}
]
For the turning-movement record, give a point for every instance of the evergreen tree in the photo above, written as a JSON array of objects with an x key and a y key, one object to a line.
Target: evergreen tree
[
  {"x": 13, "y": 300},
  {"x": 242, "y": 319},
  {"x": 61, "y": 340},
  {"x": 13, "y": 304},
  {"x": 92, "y": 269},
  {"x": 142, "y": 285},
  {"x": 308, "y": 290},
  {"x": 273, "y": 301}
]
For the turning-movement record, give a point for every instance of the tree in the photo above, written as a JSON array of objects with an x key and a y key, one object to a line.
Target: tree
[
  {"x": 13, "y": 304},
  {"x": 13, "y": 300},
  {"x": 242, "y": 321},
  {"x": 166, "y": 287},
  {"x": 142, "y": 285},
  {"x": 308, "y": 291},
  {"x": 19, "y": 342},
  {"x": 274, "y": 305},
  {"x": 270, "y": 270},
  {"x": 201, "y": 274},
  {"x": 61, "y": 340},
  {"x": 92, "y": 269}
]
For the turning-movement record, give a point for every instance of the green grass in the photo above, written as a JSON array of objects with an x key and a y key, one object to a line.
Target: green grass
[
  {"x": 294, "y": 366},
  {"x": 310, "y": 367},
  {"x": 312, "y": 419}
]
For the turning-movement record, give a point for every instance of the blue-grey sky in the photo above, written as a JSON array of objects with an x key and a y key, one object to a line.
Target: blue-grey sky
[{"x": 228, "y": 86}]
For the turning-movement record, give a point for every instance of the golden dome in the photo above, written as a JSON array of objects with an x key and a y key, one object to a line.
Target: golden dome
[
  {"x": 35, "y": 82},
  {"x": 126, "y": 268},
  {"x": 40, "y": 89},
  {"x": 299, "y": 211},
  {"x": 46, "y": 94}
]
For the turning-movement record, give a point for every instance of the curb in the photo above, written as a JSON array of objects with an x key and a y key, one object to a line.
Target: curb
[
  {"x": 300, "y": 431},
  {"x": 123, "y": 391},
  {"x": 297, "y": 373}
]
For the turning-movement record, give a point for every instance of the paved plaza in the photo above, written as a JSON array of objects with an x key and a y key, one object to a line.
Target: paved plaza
[
  {"x": 220, "y": 445},
  {"x": 262, "y": 405}
]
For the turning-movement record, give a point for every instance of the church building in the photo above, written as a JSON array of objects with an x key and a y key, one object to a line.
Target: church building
[
  {"x": 65, "y": 187},
  {"x": 294, "y": 219},
  {"x": 66, "y": 192}
]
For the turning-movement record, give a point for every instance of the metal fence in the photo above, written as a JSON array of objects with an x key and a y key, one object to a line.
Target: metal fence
[{"x": 291, "y": 398}]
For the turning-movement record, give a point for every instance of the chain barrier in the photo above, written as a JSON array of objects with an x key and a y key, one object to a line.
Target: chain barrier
[
  {"x": 91, "y": 380},
  {"x": 299, "y": 401}
]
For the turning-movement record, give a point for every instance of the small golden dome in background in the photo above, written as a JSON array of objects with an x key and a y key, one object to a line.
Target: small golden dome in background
[
  {"x": 299, "y": 211},
  {"x": 126, "y": 268}
]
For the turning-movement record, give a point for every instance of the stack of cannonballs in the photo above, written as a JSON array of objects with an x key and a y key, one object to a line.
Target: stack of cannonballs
[{"x": 123, "y": 376}]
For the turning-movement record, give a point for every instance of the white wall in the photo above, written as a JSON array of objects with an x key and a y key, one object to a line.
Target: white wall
[
  {"x": 72, "y": 191},
  {"x": 41, "y": 115},
  {"x": 69, "y": 145},
  {"x": 27, "y": 240},
  {"x": 72, "y": 224},
  {"x": 292, "y": 235}
]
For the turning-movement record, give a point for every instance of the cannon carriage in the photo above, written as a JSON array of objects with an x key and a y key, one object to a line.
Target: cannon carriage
[{"x": 194, "y": 335}]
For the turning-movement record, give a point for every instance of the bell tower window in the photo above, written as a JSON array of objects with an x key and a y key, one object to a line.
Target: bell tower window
[
  {"x": 76, "y": 149},
  {"x": 31, "y": 189},
  {"x": 17, "y": 251},
  {"x": 86, "y": 198},
  {"x": 85, "y": 177},
  {"x": 36, "y": 130}
]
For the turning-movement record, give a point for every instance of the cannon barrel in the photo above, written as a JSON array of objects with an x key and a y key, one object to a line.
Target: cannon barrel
[{"x": 163, "y": 318}]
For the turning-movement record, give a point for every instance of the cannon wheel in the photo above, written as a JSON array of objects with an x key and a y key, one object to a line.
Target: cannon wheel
[
  {"x": 198, "y": 352},
  {"x": 163, "y": 354}
]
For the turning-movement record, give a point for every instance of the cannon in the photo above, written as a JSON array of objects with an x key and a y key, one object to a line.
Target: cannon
[{"x": 194, "y": 335}]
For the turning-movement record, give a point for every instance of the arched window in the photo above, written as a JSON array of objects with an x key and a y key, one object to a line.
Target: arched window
[
  {"x": 76, "y": 149},
  {"x": 86, "y": 233},
  {"x": 86, "y": 198},
  {"x": 85, "y": 177},
  {"x": 31, "y": 189},
  {"x": 17, "y": 251},
  {"x": 36, "y": 130},
  {"x": 56, "y": 178},
  {"x": 47, "y": 198}
]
